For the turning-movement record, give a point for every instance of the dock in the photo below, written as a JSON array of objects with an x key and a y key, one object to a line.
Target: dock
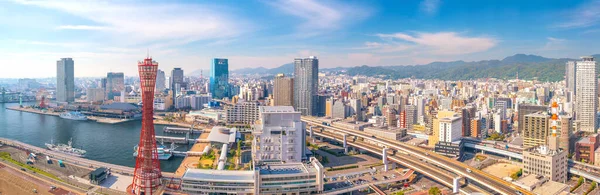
[
  {"x": 177, "y": 140},
  {"x": 181, "y": 130}
]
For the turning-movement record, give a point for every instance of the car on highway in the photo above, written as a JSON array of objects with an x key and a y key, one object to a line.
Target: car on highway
[{"x": 469, "y": 170}]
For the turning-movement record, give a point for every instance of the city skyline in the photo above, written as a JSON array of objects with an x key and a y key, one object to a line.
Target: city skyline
[{"x": 342, "y": 33}]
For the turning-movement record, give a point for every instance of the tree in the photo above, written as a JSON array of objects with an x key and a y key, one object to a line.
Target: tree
[{"x": 435, "y": 191}]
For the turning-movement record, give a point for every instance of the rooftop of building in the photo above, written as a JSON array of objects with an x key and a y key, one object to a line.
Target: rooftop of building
[
  {"x": 219, "y": 175},
  {"x": 551, "y": 187},
  {"x": 222, "y": 134},
  {"x": 450, "y": 119},
  {"x": 538, "y": 114},
  {"x": 587, "y": 139},
  {"x": 530, "y": 180},
  {"x": 277, "y": 109},
  {"x": 543, "y": 150},
  {"x": 285, "y": 168}
]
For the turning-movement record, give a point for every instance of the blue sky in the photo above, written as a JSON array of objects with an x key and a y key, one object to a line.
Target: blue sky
[{"x": 105, "y": 36}]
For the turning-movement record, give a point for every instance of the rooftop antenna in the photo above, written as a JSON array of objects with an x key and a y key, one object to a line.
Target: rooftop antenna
[{"x": 148, "y": 53}]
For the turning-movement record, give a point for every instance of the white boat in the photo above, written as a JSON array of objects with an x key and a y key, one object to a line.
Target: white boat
[
  {"x": 66, "y": 149},
  {"x": 163, "y": 152},
  {"x": 73, "y": 116}
]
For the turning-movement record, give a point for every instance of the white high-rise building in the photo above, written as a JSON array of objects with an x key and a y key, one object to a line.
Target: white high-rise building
[
  {"x": 242, "y": 113},
  {"x": 586, "y": 94},
  {"x": 279, "y": 135},
  {"x": 450, "y": 129}
]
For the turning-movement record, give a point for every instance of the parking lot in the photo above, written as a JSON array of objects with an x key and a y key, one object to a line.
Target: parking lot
[{"x": 41, "y": 163}]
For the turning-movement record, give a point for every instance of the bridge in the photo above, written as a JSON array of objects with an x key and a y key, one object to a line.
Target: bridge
[
  {"x": 459, "y": 168},
  {"x": 494, "y": 150}
]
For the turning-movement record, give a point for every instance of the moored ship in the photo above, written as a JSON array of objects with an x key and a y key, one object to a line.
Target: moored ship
[
  {"x": 73, "y": 116},
  {"x": 66, "y": 149}
]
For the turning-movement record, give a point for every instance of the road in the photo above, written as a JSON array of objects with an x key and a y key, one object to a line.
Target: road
[
  {"x": 459, "y": 168},
  {"x": 429, "y": 170}
]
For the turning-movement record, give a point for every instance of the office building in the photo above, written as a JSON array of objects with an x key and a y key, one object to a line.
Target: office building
[
  {"x": 546, "y": 162},
  {"x": 242, "y": 113},
  {"x": 282, "y": 178},
  {"x": 340, "y": 110},
  {"x": 450, "y": 129},
  {"x": 197, "y": 102},
  {"x": 278, "y": 136},
  {"x": 356, "y": 109},
  {"x": 283, "y": 91},
  {"x": 95, "y": 94},
  {"x": 525, "y": 109},
  {"x": 115, "y": 85},
  {"x": 571, "y": 76},
  {"x": 475, "y": 128},
  {"x": 176, "y": 82},
  {"x": 391, "y": 133},
  {"x": 565, "y": 132},
  {"x": 306, "y": 85},
  {"x": 219, "y": 78},
  {"x": 585, "y": 149},
  {"x": 536, "y": 129},
  {"x": 176, "y": 77},
  {"x": 65, "y": 80},
  {"x": 160, "y": 81},
  {"x": 435, "y": 126},
  {"x": 329, "y": 107},
  {"x": 586, "y": 94}
]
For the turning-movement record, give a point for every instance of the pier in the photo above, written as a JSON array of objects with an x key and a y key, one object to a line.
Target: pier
[
  {"x": 181, "y": 130},
  {"x": 177, "y": 140}
]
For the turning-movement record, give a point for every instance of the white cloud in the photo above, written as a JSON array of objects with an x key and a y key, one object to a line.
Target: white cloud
[
  {"x": 139, "y": 23},
  {"x": 443, "y": 43},
  {"x": 80, "y": 27},
  {"x": 554, "y": 44},
  {"x": 585, "y": 15},
  {"x": 430, "y": 6},
  {"x": 321, "y": 16}
]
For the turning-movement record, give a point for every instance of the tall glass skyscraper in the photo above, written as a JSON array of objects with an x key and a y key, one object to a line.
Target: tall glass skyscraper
[
  {"x": 219, "y": 78},
  {"x": 65, "y": 80},
  {"x": 306, "y": 85}
]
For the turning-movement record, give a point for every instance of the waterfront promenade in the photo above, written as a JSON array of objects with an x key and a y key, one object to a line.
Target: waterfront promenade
[
  {"x": 52, "y": 113},
  {"x": 124, "y": 170}
]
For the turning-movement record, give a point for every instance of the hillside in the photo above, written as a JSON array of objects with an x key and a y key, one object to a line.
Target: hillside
[{"x": 528, "y": 66}]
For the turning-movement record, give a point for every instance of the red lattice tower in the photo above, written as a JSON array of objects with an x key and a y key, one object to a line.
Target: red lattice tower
[{"x": 147, "y": 174}]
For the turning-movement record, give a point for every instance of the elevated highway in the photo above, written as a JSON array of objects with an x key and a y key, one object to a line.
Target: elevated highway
[
  {"x": 426, "y": 169},
  {"x": 576, "y": 168},
  {"x": 472, "y": 174}
]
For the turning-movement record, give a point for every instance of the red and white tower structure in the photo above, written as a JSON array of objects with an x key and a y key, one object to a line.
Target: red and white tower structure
[
  {"x": 554, "y": 119},
  {"x": 147, "y": 174}
]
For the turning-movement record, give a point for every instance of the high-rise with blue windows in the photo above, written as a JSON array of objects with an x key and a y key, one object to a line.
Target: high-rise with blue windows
[{"x": 219, "y": 78}]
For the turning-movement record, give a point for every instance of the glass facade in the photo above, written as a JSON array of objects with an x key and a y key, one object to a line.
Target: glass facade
[{"x": 219, "y": 78}]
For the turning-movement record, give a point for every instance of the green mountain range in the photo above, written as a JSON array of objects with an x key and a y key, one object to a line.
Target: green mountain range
[{"x": 528, "y": 67}]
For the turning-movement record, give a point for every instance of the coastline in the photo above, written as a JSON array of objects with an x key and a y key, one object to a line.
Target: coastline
[{"x": 91, "y": 118}]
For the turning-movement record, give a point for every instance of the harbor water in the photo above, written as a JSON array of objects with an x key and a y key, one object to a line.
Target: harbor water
[{"x": 110, "y": 143}]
